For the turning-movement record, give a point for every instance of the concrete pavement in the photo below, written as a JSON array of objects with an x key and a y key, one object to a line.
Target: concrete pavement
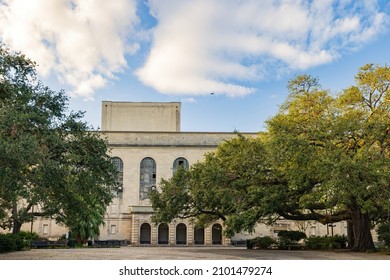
[{"x": 185, "y": 253}]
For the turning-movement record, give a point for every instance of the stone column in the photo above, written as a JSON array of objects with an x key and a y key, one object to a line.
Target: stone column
[
  {"x": 135, "y": 230},
  {"x": 190, "y": 234},
  {"x": 153, "y": 240},
  {"x": 172, "y": 234},
  {"x": 208, "y": 237}
]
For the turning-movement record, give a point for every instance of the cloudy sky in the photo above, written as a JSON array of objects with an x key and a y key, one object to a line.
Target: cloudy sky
[{"x": 243, "y": 51}]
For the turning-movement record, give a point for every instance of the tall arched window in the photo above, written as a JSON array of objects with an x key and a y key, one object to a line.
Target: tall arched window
[
  {"x": 118, "y": 163},
  {"x": 180, "y": 163},
  {"x": 147, "y": 177}
]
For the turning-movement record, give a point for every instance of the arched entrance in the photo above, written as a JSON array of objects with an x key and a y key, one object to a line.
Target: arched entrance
[
  {"x": 199, "y": 236},
  {"x": 216, "y": 233},
  {"x": 181, "y": 234},
  {"x": 145, "y": 234},
  {"x": 163, "y": 234}
]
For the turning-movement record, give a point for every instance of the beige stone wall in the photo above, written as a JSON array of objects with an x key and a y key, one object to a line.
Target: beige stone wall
[
  {"x": 140, "y": 219},
  {"x": 47, "y": 228},
  {"x": 164, "y": 148},
  {"x": 140, "y": 116},
  {"x": 311, "y": 228}
]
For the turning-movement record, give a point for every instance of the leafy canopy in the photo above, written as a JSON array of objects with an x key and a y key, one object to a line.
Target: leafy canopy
[
  {"x": 324, "y": 157},
  {"x": 50, "y": 161}
]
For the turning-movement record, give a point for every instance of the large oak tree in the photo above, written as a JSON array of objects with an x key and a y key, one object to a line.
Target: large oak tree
[
  {"x": 334, "y": 151},
  {"x": 51, "y": 163},
  {"x": 324, "y": 157}
]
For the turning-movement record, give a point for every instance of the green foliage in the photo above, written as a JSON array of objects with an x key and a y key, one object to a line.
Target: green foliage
[
  {"x": 288, "y": 238},
  {"x": 326, "y": 242},
  {"x": 334, "y": 151},
  {"x": 383, "y": 231},
  {"x": 28, "y": 236},
  {"x": 16, "y": 242},
  {"x": 49, "y": 157},
  {"x": 265, "y": 242},
  {"x": 86, "y": 224},
  {"x": 292, "y": 235},
  {"x": 324, "y": 157},
  {"x": 9, "y": 242},
  {"x": 226, "y": 186}
]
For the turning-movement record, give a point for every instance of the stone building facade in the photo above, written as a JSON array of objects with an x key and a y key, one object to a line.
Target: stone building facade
[
  {"x": 146, "y": 145},
  {"x": 144, "y": 153}
]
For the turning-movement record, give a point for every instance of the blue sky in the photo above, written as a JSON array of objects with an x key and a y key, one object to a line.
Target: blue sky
[{"x": 168, "y": 50}]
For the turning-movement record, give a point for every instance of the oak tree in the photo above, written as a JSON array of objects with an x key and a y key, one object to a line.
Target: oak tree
[
  {"x": 334, "y": 152},
  {"x": 324, "y": 157},
  {"x": 51, "y": 162}
]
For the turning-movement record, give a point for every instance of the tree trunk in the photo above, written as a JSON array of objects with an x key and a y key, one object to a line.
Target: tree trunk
[
  {"x": 350, "y": 235},
  {"x": 17, "y": 225},
  {"x": 362, "y": 231}
]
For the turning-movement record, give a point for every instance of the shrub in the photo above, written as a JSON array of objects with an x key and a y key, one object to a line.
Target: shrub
[
  {"x": 10, "y": 242},
  {"x": 384, "y": 234},
  {"x": 288, "y": 238},
  {"x": 326, "y": 242},
  {"x": 338, "y": 241},
  {"x": 26, "y": 235},
  {"x": 263, "y": 242},
  {"x": 16, "y": 242},
  {"x": 292, "y": 235},
  {"x": 315, "y": 242}
]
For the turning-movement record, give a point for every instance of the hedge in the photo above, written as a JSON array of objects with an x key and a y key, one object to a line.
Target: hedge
[{"x": 16, "y": 242}]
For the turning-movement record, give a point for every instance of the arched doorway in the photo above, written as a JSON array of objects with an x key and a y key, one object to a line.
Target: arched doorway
[
  {"x": 216, "y": 233},
  {"x": 199, "y": 236},
  {"x": 181, "y": 234},
  {"x": 163, "y": 234},
  {"x": 145, "y": 234}
]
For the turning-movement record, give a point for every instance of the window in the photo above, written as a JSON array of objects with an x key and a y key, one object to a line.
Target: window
[
  {"x": 113, "y": 229},
  {"x": 45, "y": 229},
  {"x": 180, "y": 163},
  {"x": 278, "y": 227},
  {"x": 147, "y": 177},
  {"x": 118, "y": 163}
]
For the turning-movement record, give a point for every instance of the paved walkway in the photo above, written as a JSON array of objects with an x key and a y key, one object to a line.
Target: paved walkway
[{"x": 185, "y": 253}]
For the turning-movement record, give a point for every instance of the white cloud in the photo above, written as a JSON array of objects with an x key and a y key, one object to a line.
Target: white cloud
[
  {"x": 189, "y": 100},
  {"x": 203, "y": 46},
  {"x": 197, "y": 46},
  {"x": 83, "y": 41}
]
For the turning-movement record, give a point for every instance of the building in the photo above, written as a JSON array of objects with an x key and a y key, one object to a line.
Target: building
[{"x": 147, "y": 145}]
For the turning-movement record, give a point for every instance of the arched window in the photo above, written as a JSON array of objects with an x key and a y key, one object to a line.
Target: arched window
[
  {"x": 147, "y": 177},
  {"x": 180, "y": 163},
  {"x": 118, "y": 163}
]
